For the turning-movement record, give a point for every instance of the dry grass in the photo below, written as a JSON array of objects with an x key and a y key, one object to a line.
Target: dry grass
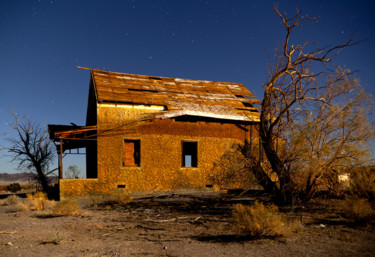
[
  {"x": 15, "y": 203},
  {"x": 230, "y": 170},
  {"x": 362, "y": 182},
  {"x": 359, "y": 210},
  {"x": 95, "y": 199},
  {"x": 66, "y": 207},
  {"x": 119, "y": 197},
  {"x": 56, "y": 239},
  {"x": 115, "y": 197},
  {"x": 11, "y": 200},
  {"x": 37, "y": 201},
  {"x": 259, "y": 220}
]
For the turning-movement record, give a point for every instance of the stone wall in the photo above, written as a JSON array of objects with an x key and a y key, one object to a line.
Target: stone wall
[{"x": 160, "y": 152}]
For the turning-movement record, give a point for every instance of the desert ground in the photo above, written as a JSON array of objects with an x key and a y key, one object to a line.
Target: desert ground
[{"x": 179, "y": 224}]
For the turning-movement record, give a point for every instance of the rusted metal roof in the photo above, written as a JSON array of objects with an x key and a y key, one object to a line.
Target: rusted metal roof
[{"x": 199, "y": 96}]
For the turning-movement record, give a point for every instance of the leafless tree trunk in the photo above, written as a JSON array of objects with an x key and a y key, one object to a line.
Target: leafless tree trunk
[{"x": 32, "y": 149}]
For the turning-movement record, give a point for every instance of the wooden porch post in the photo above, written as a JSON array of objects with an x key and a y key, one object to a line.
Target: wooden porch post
[{"x": 61, "y": 159}]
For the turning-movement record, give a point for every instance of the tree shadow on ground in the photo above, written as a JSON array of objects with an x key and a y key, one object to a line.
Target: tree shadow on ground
[
  {"x": 214, "y": 206},
  {"x": 221, "y": 205},
  {"x": 338, "y": 222},
  {"x": 48, "y": 216},
  {"x": 229, "y": 238}
]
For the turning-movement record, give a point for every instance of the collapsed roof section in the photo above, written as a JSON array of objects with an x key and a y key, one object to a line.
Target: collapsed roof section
[
  {"x": 74, "y": 136},
  {"x": 220, "y": 100}
]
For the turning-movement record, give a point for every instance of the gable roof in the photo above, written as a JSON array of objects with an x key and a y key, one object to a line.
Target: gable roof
[{"x": 180, "y": 96}]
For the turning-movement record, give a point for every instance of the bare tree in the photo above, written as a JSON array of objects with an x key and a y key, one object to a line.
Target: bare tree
[
  {"x": 331, "y": 139},
  {"x": 72, "y": 172},
  {"x": 305, "y": 91},
  {"x": 32, "y": 149}
]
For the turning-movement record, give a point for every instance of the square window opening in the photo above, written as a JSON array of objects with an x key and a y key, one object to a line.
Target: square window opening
[
  {"x": 189, "y": 154},
  {"x": 132, "y": 153}
]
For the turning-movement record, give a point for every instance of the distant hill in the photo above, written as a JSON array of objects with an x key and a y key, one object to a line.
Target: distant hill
[
  {"x": 22, "y": 178},
  {"x": 15, "y": 176}
]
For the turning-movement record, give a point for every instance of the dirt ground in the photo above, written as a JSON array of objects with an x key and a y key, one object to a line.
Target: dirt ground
[{"x": 190, "y": 224}]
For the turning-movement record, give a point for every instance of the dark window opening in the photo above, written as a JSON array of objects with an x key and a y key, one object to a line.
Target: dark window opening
[
  {"x": 240, "y": 96},
  {"x": 189, "y": 154},
  {"x": 132, "y": 153},
  {"x": 121, "y": 186}
]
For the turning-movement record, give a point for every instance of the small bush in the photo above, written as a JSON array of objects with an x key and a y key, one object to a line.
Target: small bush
[
  {"x": 94, "y": 200},
  {"x": 359, "y": 210},
  {"x": 66, "y": 207},
  {"x": 56, "y": 239},
  {"x": 14, "y": 187},
  {"x": 119, "y": 197},
  {"x": 19, "y": 207},
  {"x": 38, "y": 201},
  {"x": 294, "y": 226},
  {"x": 15, "y": 203},
  {"x": 259, "y": 220},
  {"x": 231, "y": 171},
  {"x": 112, "y": 198},
  {"x": 11, "y": 200},
  {"x": 362, "y": 182}
]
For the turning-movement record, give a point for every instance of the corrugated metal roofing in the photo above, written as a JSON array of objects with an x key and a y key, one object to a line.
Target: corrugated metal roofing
[{"x": 176, "y": 94}]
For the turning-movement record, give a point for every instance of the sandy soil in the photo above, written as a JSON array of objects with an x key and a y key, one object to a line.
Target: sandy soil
[{"x": 177, "y": 225}]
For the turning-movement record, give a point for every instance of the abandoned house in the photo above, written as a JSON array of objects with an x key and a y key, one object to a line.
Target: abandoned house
[{"x": 154, "y": 133}]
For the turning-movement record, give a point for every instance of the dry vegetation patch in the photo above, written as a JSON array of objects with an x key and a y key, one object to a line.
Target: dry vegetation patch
[
  {"x": 115, "y": 197},
  {"x": 359, "y": 210},
  {"x": 183, "y": 225},
  {"x": 259, "y": 220},
  {"x": 37, "y": 201},
  {"x": 56, "y": 239},
  {"x": 67, "y": 207},
  {"x": 11, "y": 200},
  {"x": 45, "y": 208}
]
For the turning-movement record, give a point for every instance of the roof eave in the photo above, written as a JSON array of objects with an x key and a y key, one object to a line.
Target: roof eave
[{"x": 234, "y": 117}]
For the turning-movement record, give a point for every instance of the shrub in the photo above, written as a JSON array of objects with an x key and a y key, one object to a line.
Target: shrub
[
  {"x": 19, "y": 207},
  {"x": 119, "y": 197},
  {"x": 362, "y": 182},
  {"x": 66, "y": 207},
  {"x": 95, "y": 199},
  {"x": 16, "y": 204},
  {"x": 38, "y": 201},
  {"x": 359, "y": 210},
  {"x": 11, "y": 200},
  {"x": 56, "y": 239},
  {"x": 112, "y": 198},
  {"x": 14, "y": 187},
  {"x": 259, "y": 220},
  {"x": 231, "y": 171}
]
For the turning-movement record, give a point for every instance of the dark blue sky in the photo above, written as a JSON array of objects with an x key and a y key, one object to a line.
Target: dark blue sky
[{"x": 41, "y": 42}]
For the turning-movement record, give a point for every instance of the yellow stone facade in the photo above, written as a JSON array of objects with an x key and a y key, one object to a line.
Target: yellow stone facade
[{"x": 160, "y": 151}]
